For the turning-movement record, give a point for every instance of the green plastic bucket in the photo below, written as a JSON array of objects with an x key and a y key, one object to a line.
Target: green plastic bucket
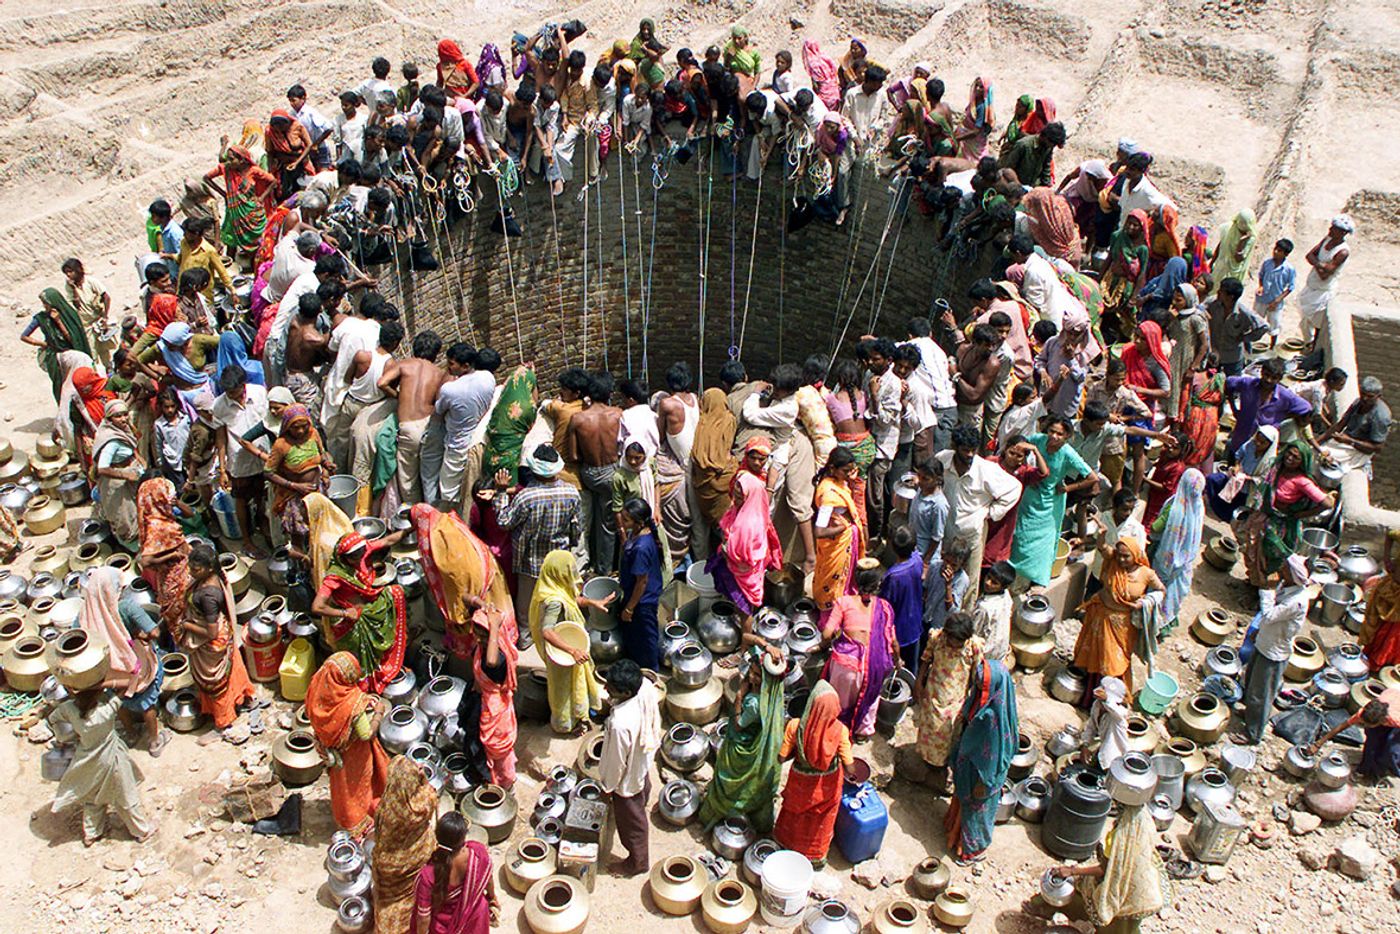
[{"x": 1159, "y": 691}]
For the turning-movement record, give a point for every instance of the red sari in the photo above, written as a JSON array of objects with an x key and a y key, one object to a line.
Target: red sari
[
  {"x": 465, "y": 909},
  {"x": 1203, "y": 416},
  {"x": 819, "y": 742},
  {"x": 334, "y": 701},
  {"x": 1168, "y": 474}
]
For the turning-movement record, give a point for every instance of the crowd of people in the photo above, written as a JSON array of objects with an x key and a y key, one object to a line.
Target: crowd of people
[{"x": 921, "y": 480}]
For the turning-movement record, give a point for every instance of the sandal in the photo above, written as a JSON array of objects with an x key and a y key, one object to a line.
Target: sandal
[
  {"x": 160, "y": 742},
  {"x": 255, "y": 724}
]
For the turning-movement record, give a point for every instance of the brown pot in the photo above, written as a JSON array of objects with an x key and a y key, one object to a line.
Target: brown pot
[{"x": 43, "y": 515}]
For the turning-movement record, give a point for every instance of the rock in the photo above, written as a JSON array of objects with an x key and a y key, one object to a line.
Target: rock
[
  {"x": 825, "y": 884},
  {"x": 212, "y": 890},
  {"x": 867, "y": 873},
  {"x": 1312, "y": 859},
  {"x": 130, "y": 886},
  {"x": 194, "y": 830},
  {"x": 796, "y": 22},
  {"x": 117, "y": 862},
  {"x": 1356, "y": 857},
  {"x": 1301, "y": 823},
  {"x": 1215, "y": 874},
  {"x": 39, "y": 733},
  {"x": 910, "y": 766}
]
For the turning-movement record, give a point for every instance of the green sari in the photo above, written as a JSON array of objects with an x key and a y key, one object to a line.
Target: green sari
[
  {"x": 378, "y": 637},
  {"x": 1274, "y": 530},
  {"x": 746, "y": 770},
  {"x": 69, "y": 336},
  {"x": 510, "y": 422}
]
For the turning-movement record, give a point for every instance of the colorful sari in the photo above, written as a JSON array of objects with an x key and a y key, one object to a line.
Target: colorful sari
[
  {"x": 163, "y": 549},
  {"x": 1274, "y": 529},
  {"x": 812, "y": 795},
  {"x": 573, "y": 690},
  {"x": 1086, "y": 290},
  {"x": 863, "y": 654},
  {"x": 837, "y": 556},
  {"x": 215, "y": 662},
  {"x": 1165, "y": 244},
  {"x": 977, "y": 117},
  {"x": 1127, "y": 261},
  {"x": 1203, "y": 416},
  {"x": 1108, "y": 637},
  {"x": 340, "y": 713},
  {"x": 746, "y": 770},
  {"x": 465, "y": 909},
  {"x": 751, "y": 547},
  {"x": 711, "y": 461},
  {"x": 1238, "y": 236},
  {"x": 1380, "y": 633},
  {"x": 404, "y": 839},
  {"x": 940, "y": 694},
  {"x": 1041, "y": 512},
  {"x": 981, "y": 759},
  {"x": 64, "y": 334},
  {"x": 863, "y": 448},
  {"x": 510, "y": 421},
  {"x": 1179, "y": 542},
  {"x": 457, "y": 564},
  {"x": 244, "y": 216},
  {"x": 1134, "y": 883},
  {"x": 378, "y": 635},
  {"x": 299, "y": 463},
  {"x": 1051, "y": 223},
  {"x": 821, "y": 68}
]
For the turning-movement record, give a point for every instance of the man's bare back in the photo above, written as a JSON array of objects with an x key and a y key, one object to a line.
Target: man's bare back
[
  {"x": 416, "y": 383},
  {"x": 305, "y": 347},
  {"x": 671, "y": 411},
  {"x": 592, "y": 435}
]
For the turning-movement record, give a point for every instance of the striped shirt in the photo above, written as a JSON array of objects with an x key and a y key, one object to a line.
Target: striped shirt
[{"x": 542, "y": 518}]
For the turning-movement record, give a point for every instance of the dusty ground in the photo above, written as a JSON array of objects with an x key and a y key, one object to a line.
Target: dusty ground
[{"x": 106, "y": 106}]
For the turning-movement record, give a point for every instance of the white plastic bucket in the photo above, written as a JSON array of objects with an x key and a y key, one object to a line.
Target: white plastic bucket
[
  {"x": 703, "y": 584},
  {"x": 786, "y": 877}
]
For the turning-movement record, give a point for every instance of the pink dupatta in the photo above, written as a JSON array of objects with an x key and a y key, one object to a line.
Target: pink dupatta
[
  {"x": 100, "y": 618},
  {"x": 822, "y": 70},
  {"x": 751, "y": 543},
  {"x": 464, "y": 910}
]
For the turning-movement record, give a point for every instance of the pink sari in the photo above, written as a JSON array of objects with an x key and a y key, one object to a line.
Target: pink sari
[
  {"x": 464, "y": 910},
  {"x": 858, "y": 670},
  {"x": 822, "y": 70},
  {"x": 751, "y": 545}
]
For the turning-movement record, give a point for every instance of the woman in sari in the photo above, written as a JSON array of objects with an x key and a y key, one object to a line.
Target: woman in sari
[
  {"x": 90, "y": 396},
  {"x": 573, "y": 689},
  {"x": 1050, "y": 221},
  {"x": 822, "y": 69},
  {"x": 1127, "y": 270},
  {"x": 742, "y": 59},
  {"x": 62, "y": 330},
  {"x": 1129, "y": 884},
  {"x": 840, "y": 539},
  {"x": 288, "y": 149},
  {"x": 345, "y": 720},
  {"x": 978, "y": 122},
  {"x": 1189, "y": 332},
  {"x": 1086, "y": 291},
  {"x": 845, "y": 403},
  {"x": 1380, "y": 633},
  {"x": 510, "y": 421},
  {"x": 1157, "y": 293},
  {"x": 297, "y": 465},
  {"x": 864, "y": 650},
  {"x": 164, "y": 551},
  {"x": 746, "y": 769},
  {"x": 1041, "y": 116},
  {"x": 1177, "y": 533},
  {"x": 456, "y": 892},
  {"x": 404, "y": 840},
  {"x": 1041, "y": 513},
  {"x": 474, "y": 598},
  {"x": 1195, "y": 249},
  {"x": 1084, "y": 183},
  {"x": 369, "y": 622},
  {"x": 852, "y": 68},
  {"x": 1229, "y": 490},
  {"x": 117, "y": 468},
  {"x": 980, "y": 759},
  {"x": 455, "y": 73},
  {"x": 711, "y": 463},
  {"x": 119, "y": 623},
  {"x": 1149, "y": 377},
  {"x": 1274, "y": 529},
  {"x": 245, "y": 187},
  {"x": 1108, "y": 637},
  {"x": 750, "y": 547},
  {"x": 949, "y": 657},
  {"x": 1231, "y": 257},
  {"x": 205, "y": 633},
  {"x": 1202, "y": 415},
  {"x": 1013, "y": 132},
  {"x": 1165, "y": 244},
  {"x": 820, "y": 746}
]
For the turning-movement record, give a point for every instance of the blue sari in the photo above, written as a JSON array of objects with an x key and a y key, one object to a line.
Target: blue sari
[
  {"x": 1157, "y": 292},
  {"x": 233, "y": 350},
  {"x": 1042, "y": 512},
  {"x": 981, "y": 758}
]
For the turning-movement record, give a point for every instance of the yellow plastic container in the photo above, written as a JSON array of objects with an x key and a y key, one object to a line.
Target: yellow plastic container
[{"x": 297, "y": 667}]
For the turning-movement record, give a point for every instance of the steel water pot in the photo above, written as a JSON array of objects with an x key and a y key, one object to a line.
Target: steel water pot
[
  {"x": 1349, "y": 660},
  {"x": 679, "y": 802},
  {"x": 685, "y": 747},
  {"x": 1131, "y": 779}
]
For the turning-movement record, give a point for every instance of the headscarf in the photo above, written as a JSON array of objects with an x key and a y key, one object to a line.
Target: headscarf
[
  {"x": 175, "y": 336},
  {"x": 1134, "y": 882},
  {"x": 751, "y": 545},
  {"x": 404, "y": 839},
  {"x": 360, "y": 572},
  {"x": 108, "y": 432},
  {"x": 821, "y": 69},
  {"x": 1243, "y": 227},
  {"x": 1193, "y": 300},
  {"x": 1040, "y": 117},
  {"x": 328, "y": 525},
  {"x": 56, "y": 341},
  {"x": 1118, "y": 577},
  {"x": 1083, "y": 186},
  {"x": 334, "y": 700},
  {"x": 1163, "y": 285},
  {"x": 712, "y": 464},
  {"x": 490, "y": 67},
  {"x": 66, "y": 363},
  {"x": 510, "y": 421},
  {"x": 1180, "y": 543},
  {"x": 234, "y": 350},
  {"x": 1304, "y": 451},
  {"x": 279, "y": 139},
  {"x": 1165, "y": 242},
  {"x": 164, "y": 308},
  {"x": 250, "y": 139},
  {"x": 820, "y": 729},
  {"x": 100, "y": 618},
  {"x": 451, "y": 63},
  {"x": 161, "y": 535},
  {"x": 543, "y": 469},
  {"x": 977, "y": 114},
  {"x": 92, "y": 390},
  {"x": 1342, "y": 222},
  {"x": 1138, "y": 372},
  {"x": 277, "y": 395},
  {"x": 1052, "y": 223},
  {"x": 990, "y": 732},
  {"x": 1265, "y": 462},
  {"x": 1194, "y": 249}
]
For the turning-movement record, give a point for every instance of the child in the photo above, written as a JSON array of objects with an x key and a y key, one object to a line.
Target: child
[
  {"x": 946, "y": 583},
  {"x": 1276, "y": 281},
  {"x": 1165, "y": 476},
  {"x": 903, "y": 588},
  {"x": 782, "y": 80},
  {"x": 1022, "y": 460},
  {"x": 1108, "y": 723},
  {"x": 408, "y": 91},
  {"x": 1022, "y": 416},
  {"x": 201, "y": 464},
  {"x": 1119, "y": 521},
  {"x": 172, "y": 435},
  {"x": 1096, "y": 431},
  {"x": 928, "y": 514},
  {"x": 1123, "y": 405},
  {"x": 991, "y": 614}
]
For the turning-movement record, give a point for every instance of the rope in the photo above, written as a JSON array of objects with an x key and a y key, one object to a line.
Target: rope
[
  {"x": 502, "y": 188},
  {"x": 782, "y": 261},
  {"x": 641, "y": 268},
  {"x": 444, "y": 235},
  {"x": 753, "y": 252},
  {"x": 583, "y": 196},
  {"x": 558, "y": 273},
  {"x": 702, "y": 244},
  {"x": 16, "y": 704},
  {"x": 733, "y": 244},
  {"x": 603, "y": 314},
  {"x": 850, "y": 256},
  {"x": 651, "y": 260},
  {"x": 894, "y": 251},
  {"x": 874, "y": 262},
  {"x": 626, "y": 280}
]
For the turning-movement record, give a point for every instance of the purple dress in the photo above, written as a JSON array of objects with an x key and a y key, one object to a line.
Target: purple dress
[{"x": 903, "y": 589}]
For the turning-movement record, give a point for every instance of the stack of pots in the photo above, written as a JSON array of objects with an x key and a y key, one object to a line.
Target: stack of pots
[
  {"x": 604, "y": 641},
  {"x": 1033, "y": 642},
  {"x": 347, "y": 869}
]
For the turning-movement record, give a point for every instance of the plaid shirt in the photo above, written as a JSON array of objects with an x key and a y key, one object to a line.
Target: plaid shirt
[{"x": 542, "y": 517}]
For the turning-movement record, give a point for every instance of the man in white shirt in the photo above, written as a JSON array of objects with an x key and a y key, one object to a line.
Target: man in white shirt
[
  {"x": 933, "y": 371},
  {"x": 862, "y": 107},
  {"x": 349, "y": 126},
  {"x": 275, "y": 347},
  {"x": 1138, "y": 191},
  {"x": 351, "y": 335},
  {"x": 1041, "y": 288},
  {"x": 241, "y": 407},
  {"x": 630, "y": 739},
  {"x": 370, "y": 89},
  {"x": 977, "y": 491},
  {"x": 804, "y": 106},
  {"x": 918, "y": 426},
  {"x": 294, "y": 254},
  {"x": 1282, "y": 612},
  {"x": 768, "y": 121},
  {"x": 317, "y": 127},
  {"x": 885, "y": 409}
]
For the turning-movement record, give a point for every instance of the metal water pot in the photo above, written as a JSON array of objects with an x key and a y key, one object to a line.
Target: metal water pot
[
  {"x": 771, "y": 626},
  {"x": 685, "y": 747},
  {"x": 1222, "y": 660},
  {"x": 1350, "y": 661},
  {"x": 1057, "y": 890},
  {"x": 719, "y": 627},
  {"x": 1209, "y": 786},
  {"x": 1162, "y": 812},
  {"x": 1333, "y": 771},
  {"x": 679, "y": 802},
  {"x": 803, "y": 638},
  {"x": 1330, "y": 685},
  {"x": 1355, "y": 564},
  {"x": 1131, "y": 780},
  {"x": 691, "y": 665}
]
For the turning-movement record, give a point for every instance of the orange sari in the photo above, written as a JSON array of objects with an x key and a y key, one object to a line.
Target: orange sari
[
  {"x": 215, "y": 663},
  {"x": 836, "y": 557},
  {"x": 1107, "y": 638},
  {"x": 360, "y": 767}
]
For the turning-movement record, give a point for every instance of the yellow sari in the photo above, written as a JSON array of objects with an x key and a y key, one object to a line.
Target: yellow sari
[
  {"x": 836, "y": 556},
  {"x": 573, "y": 689},
  {"x": 327, "y": 524}
]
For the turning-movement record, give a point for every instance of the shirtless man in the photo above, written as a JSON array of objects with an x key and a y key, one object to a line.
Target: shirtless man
[
  {"x": 415, "y": 384},
  {"x": 306, "y": 349},
  {"x": 677, "y": 415},
  {"x": 978, "y": 368},
  {"x": 591, "y": 441}
]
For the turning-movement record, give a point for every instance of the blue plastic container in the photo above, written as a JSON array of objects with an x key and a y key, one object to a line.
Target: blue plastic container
[{"x": 861, "y": 822}]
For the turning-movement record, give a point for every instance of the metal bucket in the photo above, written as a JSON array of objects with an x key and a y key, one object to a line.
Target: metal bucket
[{"x": 344, "y": 490}]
